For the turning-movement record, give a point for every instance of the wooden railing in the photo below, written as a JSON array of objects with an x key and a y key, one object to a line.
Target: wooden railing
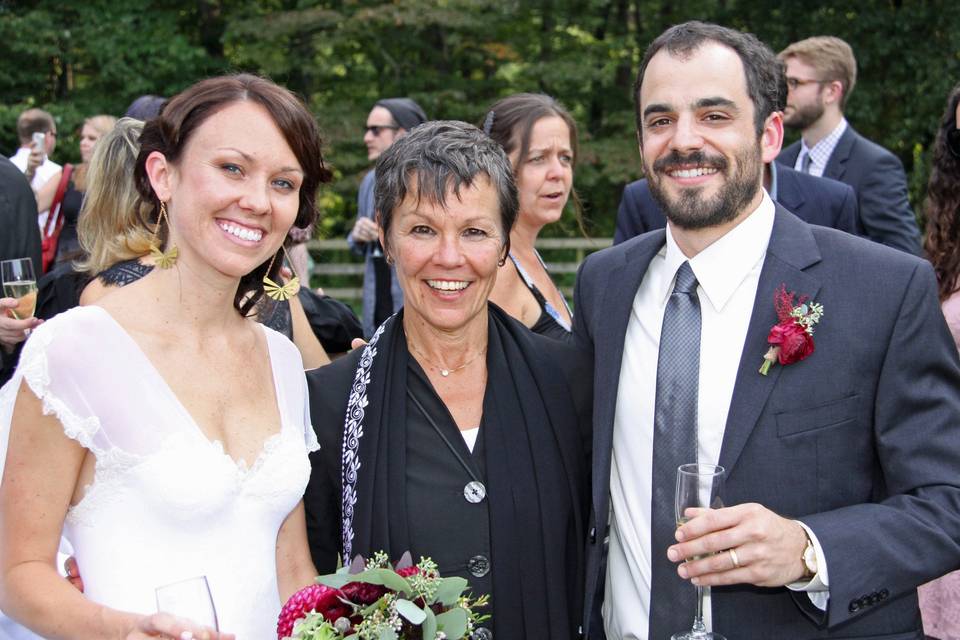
[{"x": 340, "y": 273}]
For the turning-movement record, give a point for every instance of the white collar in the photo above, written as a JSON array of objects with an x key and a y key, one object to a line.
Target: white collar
[{"x": 721, "y": 267}]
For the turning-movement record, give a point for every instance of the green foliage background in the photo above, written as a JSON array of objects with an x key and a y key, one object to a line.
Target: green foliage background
[{"x": 455, "y": 57}]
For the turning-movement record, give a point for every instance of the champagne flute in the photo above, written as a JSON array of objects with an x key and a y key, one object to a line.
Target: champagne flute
[
  {"x": 698, "y": 486},
  {"x": 189, "y": 599},
  {"x": 20, "y": 283}
]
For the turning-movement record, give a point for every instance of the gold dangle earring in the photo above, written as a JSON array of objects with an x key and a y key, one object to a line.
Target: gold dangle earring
[
  {"x": 280, "y": 292},
  {"x": 168, "y": 258}
]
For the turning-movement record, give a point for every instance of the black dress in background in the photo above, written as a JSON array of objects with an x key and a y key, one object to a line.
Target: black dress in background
[{"x": 68, "y": 245}]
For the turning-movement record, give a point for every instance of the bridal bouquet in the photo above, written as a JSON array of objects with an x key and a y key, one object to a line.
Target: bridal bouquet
[{"x": 374, "y": 601}]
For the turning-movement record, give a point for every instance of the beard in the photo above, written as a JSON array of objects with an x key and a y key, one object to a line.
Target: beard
[
  {"x": 804, "y": 116},
  {"x": 690, "y": 210}
]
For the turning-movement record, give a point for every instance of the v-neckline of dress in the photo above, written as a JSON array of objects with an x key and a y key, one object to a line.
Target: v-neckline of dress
[{"x": 216, "y": 444}]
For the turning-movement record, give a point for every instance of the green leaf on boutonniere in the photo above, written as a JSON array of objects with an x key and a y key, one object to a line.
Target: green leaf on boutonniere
[
  {"x": 387, "y": 634},
  {"x": 453, "y": 623}
]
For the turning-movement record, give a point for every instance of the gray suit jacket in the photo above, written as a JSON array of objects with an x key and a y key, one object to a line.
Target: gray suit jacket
[
  {"x": 881, "y": 185},
  {"x": 859, "y": 440}
]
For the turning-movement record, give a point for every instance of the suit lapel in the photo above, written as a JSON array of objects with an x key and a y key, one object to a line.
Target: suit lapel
[
  {"x": 616, "y": 307},
  {"x": 837, "y": 164},
  {"x": 788, "y": 193},
  {"x": 788, "y": 157},
  {"x": 792, "y": 249}
]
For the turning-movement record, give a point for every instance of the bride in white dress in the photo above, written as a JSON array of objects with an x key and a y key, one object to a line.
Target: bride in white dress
[{"x": 162, "y": 431}]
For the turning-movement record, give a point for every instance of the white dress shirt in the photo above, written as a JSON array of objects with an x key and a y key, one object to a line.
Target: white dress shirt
[
  {"x": 44, "y": 172},
  {"x": 820, "y": 153},
  {"x": 728, "y": 272}
]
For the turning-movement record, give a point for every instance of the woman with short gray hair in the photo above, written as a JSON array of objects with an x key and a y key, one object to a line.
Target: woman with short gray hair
[{"x": 456, "y": 433}]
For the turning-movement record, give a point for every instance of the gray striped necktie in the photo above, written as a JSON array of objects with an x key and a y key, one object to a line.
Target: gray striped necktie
[
  {"x": 673, "y": 600},
  {"x": 806, "y": 162}
]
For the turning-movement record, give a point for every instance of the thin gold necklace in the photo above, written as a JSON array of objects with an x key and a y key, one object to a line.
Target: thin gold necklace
[{"x": 444, "y": 371}]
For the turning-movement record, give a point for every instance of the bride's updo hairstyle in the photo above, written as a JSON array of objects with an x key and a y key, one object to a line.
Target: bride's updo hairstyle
[{"x": 183, "y": 114}]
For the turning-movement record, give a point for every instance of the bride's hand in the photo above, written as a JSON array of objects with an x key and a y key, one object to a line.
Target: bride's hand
[{"x": 164, "y": 625}]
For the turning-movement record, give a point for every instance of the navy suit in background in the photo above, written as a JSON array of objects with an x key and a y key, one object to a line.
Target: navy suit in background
[
  {"x": 881, "y": 185},
  {"x": 814, "y": 200}
]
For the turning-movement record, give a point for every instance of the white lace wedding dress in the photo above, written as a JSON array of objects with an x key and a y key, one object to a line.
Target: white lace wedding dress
[{"x": 166, "y": 503}]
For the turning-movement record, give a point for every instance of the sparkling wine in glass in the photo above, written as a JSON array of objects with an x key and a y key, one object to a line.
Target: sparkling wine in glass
[
  {"x": 20, "y": 283},
  {"x": 698, "y": 486},
  {"x": 189, "y": 599}
]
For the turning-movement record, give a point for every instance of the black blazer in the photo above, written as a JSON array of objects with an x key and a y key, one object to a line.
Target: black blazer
[
  {"x": 859, "y": 441},
  {"x": 881, "y": 185},
  {"x": 814, "y": 200},
  {"x": 19, "y": 238}
]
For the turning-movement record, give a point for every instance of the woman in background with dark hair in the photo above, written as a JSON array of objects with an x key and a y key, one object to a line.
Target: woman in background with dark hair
[
  {"x": 940, "y": 599},
  {"x": 163, "y": 431},
  {"x": 540, "y": 138}
]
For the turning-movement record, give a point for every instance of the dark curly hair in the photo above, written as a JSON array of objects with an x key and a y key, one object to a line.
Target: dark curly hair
[
  {"x": 942, "y": 206},
  {"x": 183, "y": 114}
]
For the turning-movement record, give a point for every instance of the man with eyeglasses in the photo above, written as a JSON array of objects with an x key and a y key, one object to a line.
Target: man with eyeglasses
[
  {"x": 821, "y": 74},
  {"x": 33, "y": 156},
  {"x": 389, "y": 120}
]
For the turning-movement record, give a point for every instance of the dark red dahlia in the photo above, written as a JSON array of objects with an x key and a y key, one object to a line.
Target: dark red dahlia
[
  {"x": 300, "y": 604},
  {"x": 362, "y": 593}
]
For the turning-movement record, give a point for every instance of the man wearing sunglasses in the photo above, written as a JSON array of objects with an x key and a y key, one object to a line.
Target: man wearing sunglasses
[
  {"x": 389, "y": 120},
  {"x": 821, "y": 74}
]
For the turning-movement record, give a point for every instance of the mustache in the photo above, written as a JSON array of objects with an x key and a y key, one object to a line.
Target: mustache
[{"x": 676, "y": 160}]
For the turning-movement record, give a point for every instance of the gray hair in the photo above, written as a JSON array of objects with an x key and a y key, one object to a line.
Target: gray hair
[{"x": 437, "y": 157}]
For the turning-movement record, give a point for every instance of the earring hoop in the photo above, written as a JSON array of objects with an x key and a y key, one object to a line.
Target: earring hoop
[
  {"x": 286, "y": 290},
  {"x": 168, "y": 258}
]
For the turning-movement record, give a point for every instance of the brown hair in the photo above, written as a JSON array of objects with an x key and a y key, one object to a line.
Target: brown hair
[
  {"x": 169, "y": 132},
  {"x": 510, "y": 123},
  {"x": 831, "y": 57},
  {"x": 942, "y": 206},
  {"x": 33, "y": 121}
]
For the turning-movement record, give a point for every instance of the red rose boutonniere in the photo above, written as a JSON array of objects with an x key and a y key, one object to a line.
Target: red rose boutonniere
[{"x": 791, "y": 339}]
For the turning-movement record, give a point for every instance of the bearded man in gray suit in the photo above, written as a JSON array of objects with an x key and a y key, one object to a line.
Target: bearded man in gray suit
[{"x": 842, "y": 461}]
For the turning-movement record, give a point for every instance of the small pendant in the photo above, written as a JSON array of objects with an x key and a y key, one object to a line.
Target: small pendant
[{"x": 444, "y": 372}]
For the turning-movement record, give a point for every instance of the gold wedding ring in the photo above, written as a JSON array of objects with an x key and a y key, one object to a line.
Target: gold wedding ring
[{"x": 734, "y": 558}]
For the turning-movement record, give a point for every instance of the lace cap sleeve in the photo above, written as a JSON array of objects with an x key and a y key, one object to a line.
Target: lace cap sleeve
[{"x": 51, "y": 364}]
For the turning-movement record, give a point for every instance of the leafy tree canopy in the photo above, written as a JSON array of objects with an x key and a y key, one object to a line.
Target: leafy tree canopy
[{"x": 455, "y": 57}]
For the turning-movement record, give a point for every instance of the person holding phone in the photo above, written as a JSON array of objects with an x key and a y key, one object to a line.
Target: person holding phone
[{"x": 38, "y": 138}]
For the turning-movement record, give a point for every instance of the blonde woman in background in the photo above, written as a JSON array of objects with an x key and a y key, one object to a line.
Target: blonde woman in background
[{"x": 94, "y": 128}]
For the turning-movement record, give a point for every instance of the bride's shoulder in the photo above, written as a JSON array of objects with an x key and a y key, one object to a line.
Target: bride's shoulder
[{"x": 77, "y": 324}]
